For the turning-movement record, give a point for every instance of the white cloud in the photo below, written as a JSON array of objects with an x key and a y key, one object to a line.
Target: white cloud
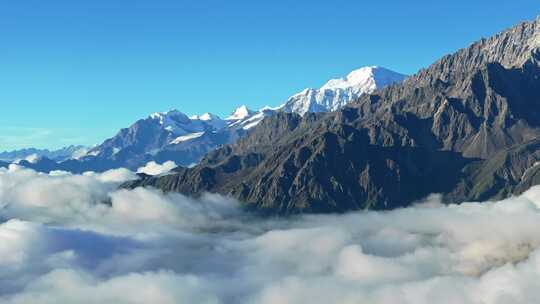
[
  {"x": 78, "y": 239},
  {"x": 112, "y": 176},
  {"x": 51, "y": 197},
  {"x": 70, "y": 286},
  {"x": 153, "y": 168}
]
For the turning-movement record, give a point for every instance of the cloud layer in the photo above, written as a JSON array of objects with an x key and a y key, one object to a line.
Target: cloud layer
[
  {"x": 153, "y": 168},
  {"x": 77, "y": 239}
]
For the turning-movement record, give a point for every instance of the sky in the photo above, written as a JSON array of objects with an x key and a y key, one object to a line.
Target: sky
[{"x": 75, "y": 72}]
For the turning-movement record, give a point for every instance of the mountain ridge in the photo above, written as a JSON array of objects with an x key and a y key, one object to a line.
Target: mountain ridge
[
  {"x": 395, "y": 146},
  {"x": 175, "y": 136}
]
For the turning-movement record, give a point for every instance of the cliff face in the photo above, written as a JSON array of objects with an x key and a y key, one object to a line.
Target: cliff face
[
  {"x": 478, "y": 100},
  {"x": 453, "y": 128},
  {"x": 489, "y": 109}
]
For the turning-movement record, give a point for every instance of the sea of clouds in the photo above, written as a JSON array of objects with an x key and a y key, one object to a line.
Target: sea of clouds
[{"x": 79, "y": 239}]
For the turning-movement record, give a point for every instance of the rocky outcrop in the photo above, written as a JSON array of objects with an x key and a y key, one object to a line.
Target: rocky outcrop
[{"x": 510, "y": 171}]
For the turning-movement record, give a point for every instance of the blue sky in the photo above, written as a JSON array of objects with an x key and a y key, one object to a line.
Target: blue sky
[{"x": 77, "y": 71}]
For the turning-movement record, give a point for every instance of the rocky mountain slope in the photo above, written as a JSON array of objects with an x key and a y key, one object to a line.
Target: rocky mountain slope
[{"x": 467, "y": 127}]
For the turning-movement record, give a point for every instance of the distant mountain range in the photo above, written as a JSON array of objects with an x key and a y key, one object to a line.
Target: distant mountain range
[
  {"x": 185, "y": 140},
  {"x": 33, "y": 154},
  {"x": 467, "y": 127}
]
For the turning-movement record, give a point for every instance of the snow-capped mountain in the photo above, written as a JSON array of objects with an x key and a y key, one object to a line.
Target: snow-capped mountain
[
  {"x": 250, "y": 120},
  {"x": 171, "y": 128},
  {"x": 338, "y": 92},
  {"x": 240, "y": 113},
  {"x": 160, "y": 137},
  {"x": 158, "y": 130},
  {"x": 179, "y": 123}
]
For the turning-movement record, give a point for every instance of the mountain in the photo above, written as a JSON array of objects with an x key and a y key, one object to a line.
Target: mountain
[
  {"x": 466, "y": 127},
  {"x": 57, "y": 155},
  {"x": 336, "y": 93},
  {"x": 149, "y": 136},
  {"x": 161, "y": 137},
  {"x": 173, "y": 136}
]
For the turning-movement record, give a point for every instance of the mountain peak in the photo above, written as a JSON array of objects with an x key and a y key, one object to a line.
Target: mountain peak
[
  {"x": 240, "y": 113},
  {"x": 205, "y": 116},
  {"x": 340, "y": 91},
  {"x": 355, "y": 77},
  {"x": 173, "y": 113},
  {"x": 369, "y": 78}
]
